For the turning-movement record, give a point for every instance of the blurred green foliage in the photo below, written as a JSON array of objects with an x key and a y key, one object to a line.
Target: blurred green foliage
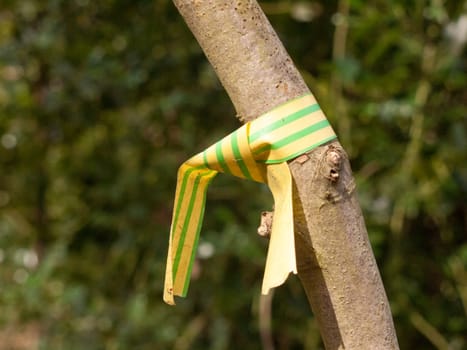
[{"x": 100, "y": 101}]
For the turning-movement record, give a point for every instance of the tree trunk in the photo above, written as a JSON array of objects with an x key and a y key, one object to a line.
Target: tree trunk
[{"x": 334, "y": 258}]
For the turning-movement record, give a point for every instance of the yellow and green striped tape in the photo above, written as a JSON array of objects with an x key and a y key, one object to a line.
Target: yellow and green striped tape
[{"x": 256, "y": 151}]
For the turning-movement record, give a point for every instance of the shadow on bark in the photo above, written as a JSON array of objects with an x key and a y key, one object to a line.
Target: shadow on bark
[{"x": 310, "y": 273}]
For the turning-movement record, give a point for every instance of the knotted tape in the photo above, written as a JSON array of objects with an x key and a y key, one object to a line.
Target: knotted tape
[{"x": 256, "y": 151}]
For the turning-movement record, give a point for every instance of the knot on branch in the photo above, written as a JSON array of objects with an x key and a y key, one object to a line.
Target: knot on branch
[
  {"x": 335, "y": 169},
  {"x": 333, "y": 161}
]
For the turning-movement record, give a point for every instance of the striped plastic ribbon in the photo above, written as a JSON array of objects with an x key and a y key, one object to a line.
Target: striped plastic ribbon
[{"x": 256, "y": 151}]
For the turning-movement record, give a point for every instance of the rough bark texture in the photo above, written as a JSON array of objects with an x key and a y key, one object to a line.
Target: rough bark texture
[{"x": 335, "y": 262}]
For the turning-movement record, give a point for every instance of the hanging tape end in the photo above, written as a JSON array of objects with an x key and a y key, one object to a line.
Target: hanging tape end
[
  {"x": 268, "y": 285},
  {"x": 169, "y": 297}
]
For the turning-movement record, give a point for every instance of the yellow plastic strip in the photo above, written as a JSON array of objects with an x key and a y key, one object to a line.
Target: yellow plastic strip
[{"x": 256, "y": 151}]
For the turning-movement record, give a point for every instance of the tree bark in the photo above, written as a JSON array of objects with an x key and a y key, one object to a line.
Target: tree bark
[{"x": 335, "y": 262}]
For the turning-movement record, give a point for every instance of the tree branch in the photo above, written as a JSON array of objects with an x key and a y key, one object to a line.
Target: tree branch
[{"x": 335, "y": 262}]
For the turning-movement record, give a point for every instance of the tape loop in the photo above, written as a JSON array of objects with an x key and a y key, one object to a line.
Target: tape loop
[{"x": 256, "y": 151}]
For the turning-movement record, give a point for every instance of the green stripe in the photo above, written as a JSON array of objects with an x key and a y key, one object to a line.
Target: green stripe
[
  {"x": 186, "y": 222},
  {"x": 195, "y": 244},
  {"x": 296, "y": 154},
  {"x": 263, "y": 149},
  {"x": 293, "y": 137},
  {"x": 238, "y": 156},
  {"x": 184, "y": 227},
  {"x": 186, "y": 176},
  {"x": 299, "y": 134},
  {"x": 205, "y": 159},
  {"x": 178, "y": 206},
  {"x": 284, "y": 121},
  {"x": 220, "y": 157}
]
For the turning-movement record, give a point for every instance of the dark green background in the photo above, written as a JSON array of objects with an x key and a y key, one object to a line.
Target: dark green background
[{"x": 102, "y": 100}]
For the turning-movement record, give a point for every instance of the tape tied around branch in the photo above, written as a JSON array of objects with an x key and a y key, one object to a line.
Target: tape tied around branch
[{"x": 256, "y": 151}]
